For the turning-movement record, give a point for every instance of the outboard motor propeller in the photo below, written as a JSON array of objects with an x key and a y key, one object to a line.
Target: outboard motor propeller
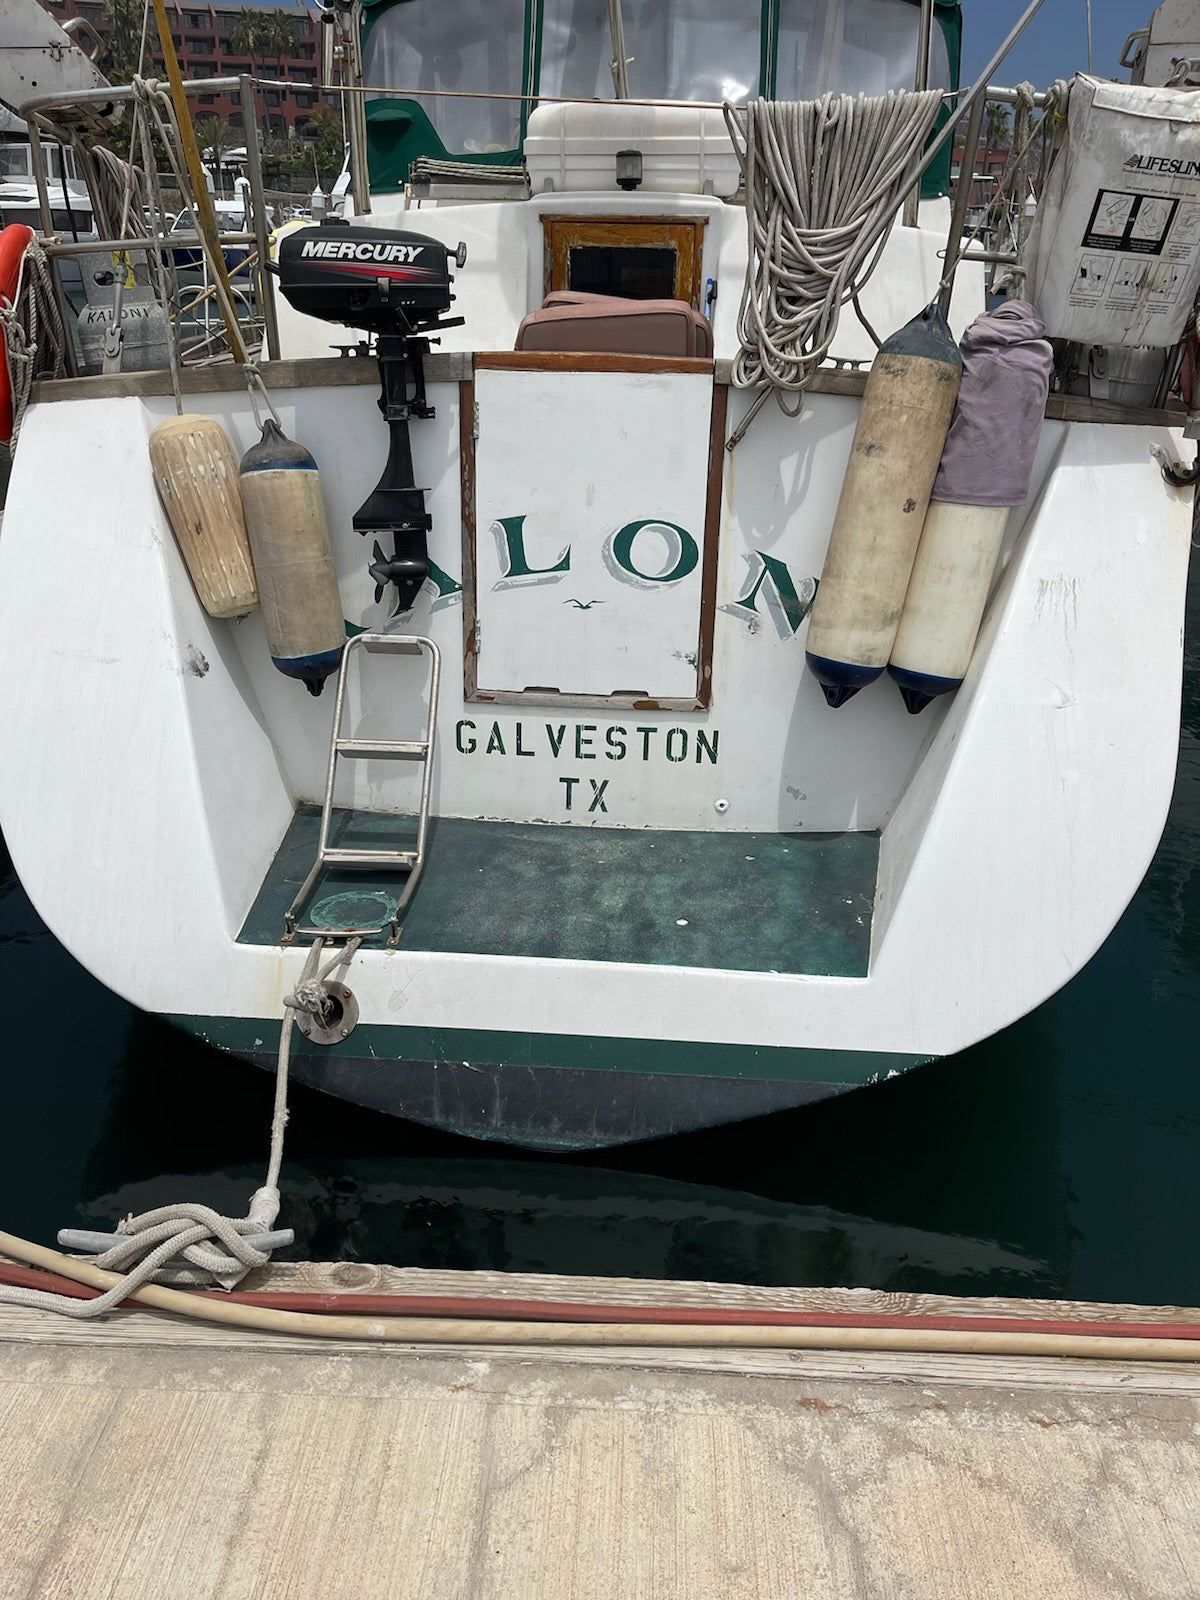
[{"x": 396, "y": 286}]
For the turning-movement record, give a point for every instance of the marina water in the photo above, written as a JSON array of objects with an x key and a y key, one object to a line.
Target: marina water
[{"x": 1058, "y": 1158}]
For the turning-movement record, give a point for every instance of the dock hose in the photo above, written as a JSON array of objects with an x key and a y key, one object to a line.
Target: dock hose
[
  {"x": 416, "y": 1319},
  {"x": 181, "y": 1244}
]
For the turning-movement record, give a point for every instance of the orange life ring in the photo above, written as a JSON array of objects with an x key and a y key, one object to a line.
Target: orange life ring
[{"x": 14, "y": 241}]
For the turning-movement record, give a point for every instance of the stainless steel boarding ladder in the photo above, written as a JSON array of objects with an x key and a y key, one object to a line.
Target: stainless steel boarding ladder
[{"x": 410, "y": 861}]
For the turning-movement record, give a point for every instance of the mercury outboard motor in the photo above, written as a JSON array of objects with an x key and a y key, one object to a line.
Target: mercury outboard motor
[{"x": 396, "y": 286}]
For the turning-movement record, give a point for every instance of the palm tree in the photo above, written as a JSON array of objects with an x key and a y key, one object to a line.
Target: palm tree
[
  {"x": 122, "y": 56},
  {"x": 327, "y": 143},
  {"x": 277, "y": 38},
  {"x": 268, "y": 34},
  {"x": 215, "y": 136},
  {"x": 998, "y": 127}
]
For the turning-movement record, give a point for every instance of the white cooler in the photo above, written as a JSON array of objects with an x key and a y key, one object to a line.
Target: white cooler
[{"x": 685, "y": 149}]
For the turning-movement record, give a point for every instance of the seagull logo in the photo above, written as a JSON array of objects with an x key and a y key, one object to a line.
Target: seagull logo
[{"x": 583, "y": 605}]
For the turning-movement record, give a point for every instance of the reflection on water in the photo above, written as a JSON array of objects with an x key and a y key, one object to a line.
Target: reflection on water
[
  {"x": 1058, "y": 1158},
  {"x": 531, "y": 1217}
]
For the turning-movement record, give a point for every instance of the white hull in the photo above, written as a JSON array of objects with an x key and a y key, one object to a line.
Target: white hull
[
  {"x": 159, "y": 758},
  {"x": 156, "y": 759}
]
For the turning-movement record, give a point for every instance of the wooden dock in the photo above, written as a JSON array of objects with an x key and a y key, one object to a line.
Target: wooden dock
[{"x": 145, "y": 1458}]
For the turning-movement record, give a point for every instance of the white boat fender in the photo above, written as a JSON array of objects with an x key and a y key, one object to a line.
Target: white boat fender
[
  {"x": 906, "y": 411},
  {"x": 196, "y": 473},
  {"x": 985, "y": 470},
  {"x": 293, "y": 559}
]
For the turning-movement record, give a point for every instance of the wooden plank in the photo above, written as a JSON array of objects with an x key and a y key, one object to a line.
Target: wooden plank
[
  {"x": 147, "y": 1330},
  {"x": 322, "y": 372},
  {"x": 583, "y": 702},
  {"x": 1059, "y": 407},
  {"x": 456, "y": 367},
  {"x": 587, "y": 361},
  {"x": 836, "y": 380},
  {"x": 712, "y": 540},
  {"x": 372, "y": 1278},
  {"x": 349, "y": 1277},
  {"x": 466, "y": 469},
  {"x": 1079, "y": 408}
]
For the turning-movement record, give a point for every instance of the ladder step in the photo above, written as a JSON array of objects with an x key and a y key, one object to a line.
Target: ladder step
[
  {"x": 369, "y": 858},
  {"x": 383, "y": 749},
  {"x": 420, "y": 750},
  {"x": 392, "y": 644}
]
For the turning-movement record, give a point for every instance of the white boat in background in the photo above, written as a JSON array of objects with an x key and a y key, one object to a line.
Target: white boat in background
[
  {"x": 662, "y": 883},
  {"x": 70, "y": 203}
]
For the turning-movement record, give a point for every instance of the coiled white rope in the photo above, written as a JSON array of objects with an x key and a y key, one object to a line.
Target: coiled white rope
[
  {"x": 116, "y": 183},
  {"x": 466, "y": 171},
  {"x": 175, "y": 1244},
  {"x": 33, "y": 341},
  {"x": 824, "y": 182}
]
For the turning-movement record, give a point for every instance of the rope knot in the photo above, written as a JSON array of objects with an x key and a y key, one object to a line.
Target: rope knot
[
  {"x": 312, "y": 996},
  {"x": 191, "y": 1243}
]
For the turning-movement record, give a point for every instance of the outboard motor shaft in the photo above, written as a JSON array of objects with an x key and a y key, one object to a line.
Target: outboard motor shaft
[{"x": 396, "y": 286}]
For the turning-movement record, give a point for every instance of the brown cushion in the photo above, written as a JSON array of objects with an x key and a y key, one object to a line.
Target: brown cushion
[
  {"x": 579, "y": 297},
  {"x": 570, "y": 320}
]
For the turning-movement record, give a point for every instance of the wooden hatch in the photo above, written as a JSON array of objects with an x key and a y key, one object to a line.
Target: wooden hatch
[{"x": 643, "y": 258}]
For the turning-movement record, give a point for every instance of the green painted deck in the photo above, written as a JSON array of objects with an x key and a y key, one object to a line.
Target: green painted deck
[{"x": 744, "y": 902}]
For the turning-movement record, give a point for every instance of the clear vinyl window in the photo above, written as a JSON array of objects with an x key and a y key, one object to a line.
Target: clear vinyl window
[
  {"x": 676, "y": 49},
  {"x": 15, "y": 161},
  {"x": 470, "y": 46},
  {"x": 852, "y": 47}
]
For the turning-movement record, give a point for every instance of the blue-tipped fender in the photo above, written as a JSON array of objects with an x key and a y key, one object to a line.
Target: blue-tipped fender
[
  {"x": 906, "y": 410},
  {"x": 293, "y": 560}
]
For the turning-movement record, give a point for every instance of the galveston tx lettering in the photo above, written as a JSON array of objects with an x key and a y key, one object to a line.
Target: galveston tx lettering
[{"x": 586, "y": 741}]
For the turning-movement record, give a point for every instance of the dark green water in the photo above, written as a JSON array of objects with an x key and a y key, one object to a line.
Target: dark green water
[{"x": 1059, "y": 1158}]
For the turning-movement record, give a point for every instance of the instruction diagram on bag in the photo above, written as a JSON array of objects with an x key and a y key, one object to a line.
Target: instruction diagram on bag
[
  {"x": 1091, "y": 278},
  {"x": 1135, "y": 224},
  {"x": 1116, "y": 239}
]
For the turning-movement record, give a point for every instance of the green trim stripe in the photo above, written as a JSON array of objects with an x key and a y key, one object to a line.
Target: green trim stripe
[{"x": 776, "y": 1063}]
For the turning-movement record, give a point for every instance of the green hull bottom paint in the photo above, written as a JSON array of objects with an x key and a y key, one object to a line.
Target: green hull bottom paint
[{"x": 554, "y": 1092}]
